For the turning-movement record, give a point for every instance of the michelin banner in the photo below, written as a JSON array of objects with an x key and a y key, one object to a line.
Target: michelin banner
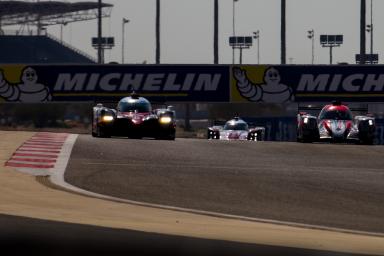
[
  {"x": 192, "y": 83},
  {"x": 287, "y": 83},
  {"x": 172, "y": 83}
]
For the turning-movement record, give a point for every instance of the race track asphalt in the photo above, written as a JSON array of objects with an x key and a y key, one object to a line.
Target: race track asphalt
[{"x": 330, "y": 185}]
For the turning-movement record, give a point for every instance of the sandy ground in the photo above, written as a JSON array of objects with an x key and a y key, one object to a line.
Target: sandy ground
[{"x": 22, "y": 195}]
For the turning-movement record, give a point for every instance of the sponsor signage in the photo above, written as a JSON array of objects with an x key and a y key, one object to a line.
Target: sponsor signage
[
  {"x": 283, "y": 84},
  {"x": 192, "y": 83},
  {"x": 169, "y": 83}
]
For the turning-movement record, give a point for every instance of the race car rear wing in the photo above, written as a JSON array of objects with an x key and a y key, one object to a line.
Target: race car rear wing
[{"x": 316, "y": 108}]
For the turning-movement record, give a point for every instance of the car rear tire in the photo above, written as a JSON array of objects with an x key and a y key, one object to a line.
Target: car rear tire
[{"x": 93, "y": 129}]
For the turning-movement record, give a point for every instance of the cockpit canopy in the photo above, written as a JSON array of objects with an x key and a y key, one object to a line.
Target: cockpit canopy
[
  {"x": 132, "y": 104},
  {"x": 236, "y": 124},
  {"x": 336, "y": 113}
]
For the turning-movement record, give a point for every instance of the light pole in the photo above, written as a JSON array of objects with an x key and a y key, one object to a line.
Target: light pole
[
  {"x": 216, "y": 32},
  {"x": 283, "y": 32},
  {"x": 370, "y": 30},
  {"x": 311, "y": 35},
  {"x": 157, "y": 31},
  {"x": 362, "y": 31},
  {"x": 233, "y": 28},
  {"x": 100, "y": 56},
  {"x": 61, "y": 31},
  {"x": 256, "y": 35},
  {"x": 125, "y": 21},
  {"x": 331, "y": 41}
]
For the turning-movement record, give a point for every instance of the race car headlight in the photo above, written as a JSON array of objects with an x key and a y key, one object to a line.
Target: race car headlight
[
  {"x": 370, "y": 122},
  {"x": 306, "y": 120},
  {"x": 107, "y": 118},
  {"x": 165, "y": 120}
]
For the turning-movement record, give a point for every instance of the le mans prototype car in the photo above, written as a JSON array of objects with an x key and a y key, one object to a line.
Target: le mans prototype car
[
  {"x": 134, "y": 118},
  {"x": 236, "y": 129},
  {"x": 335, "y": 123}
]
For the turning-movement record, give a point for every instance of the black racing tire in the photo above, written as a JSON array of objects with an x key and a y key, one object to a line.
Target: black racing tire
[
  {"x": 93, "y": 131},
  {"x": 135, "y": 136},
  {"x": 171, "y": 136},
  {"x": 299, "y": 137},
  {"x": 101, "y": 133},
  {"x": 366, "y": 142}
]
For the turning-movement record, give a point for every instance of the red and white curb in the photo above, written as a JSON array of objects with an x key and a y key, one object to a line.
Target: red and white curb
[{"x": 42, "y": 153}]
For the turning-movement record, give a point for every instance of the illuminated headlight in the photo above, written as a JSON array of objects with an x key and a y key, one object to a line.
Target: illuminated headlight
[
  {"x": 107, "y": 118},
  {"x": 165, "y": 120},
  {"x": 370, "y": 122},
  {"x": 306, "y": 120}
]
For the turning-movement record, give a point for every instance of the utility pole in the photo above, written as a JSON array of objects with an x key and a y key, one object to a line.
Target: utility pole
[
  {"x": 311, "y": 35},
  {"x": 233, "y": 28},
  {"x": 99, "y": 35},
  {"x": 283, "y": 32},
  {"x": 371, "y": 30},
  {"x": 123, "y": 40},
  {"x": 256, "y": 35},
  {"x": 216, "y": 33},
  {"x": 362, "y": 31},
  {"x": 157, "y": 31}
]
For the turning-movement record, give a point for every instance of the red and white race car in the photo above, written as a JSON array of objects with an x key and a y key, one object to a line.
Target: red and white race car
[
  {"x": 236, "y": 129},
  {"x": 335, "y": 123},
  {"x": 134, "y": 118}
]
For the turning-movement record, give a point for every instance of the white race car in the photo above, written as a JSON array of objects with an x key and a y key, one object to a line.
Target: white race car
[{"x": 236, "y": 129}]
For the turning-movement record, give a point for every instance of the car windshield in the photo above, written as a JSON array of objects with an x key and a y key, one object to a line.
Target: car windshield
[
  {"x": 141, "y": 107},
  {"x": 235, "y": 126},
  {"x": 336, "y": 114}
]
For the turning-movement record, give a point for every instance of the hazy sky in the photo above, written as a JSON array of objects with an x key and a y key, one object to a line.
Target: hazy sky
[{"x": 187, "y": 30}]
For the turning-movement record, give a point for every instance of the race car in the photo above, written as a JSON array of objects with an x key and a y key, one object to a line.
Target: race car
[
  {"x": 335, "y": 123},
  {"x": 134, "y": 118},
  {"x": 236, "y": 129}
]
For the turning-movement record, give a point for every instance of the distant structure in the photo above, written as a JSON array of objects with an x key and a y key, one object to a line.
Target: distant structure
[
  {"x": 33, "y": 17},
  {"x": 46, "y": 13}
]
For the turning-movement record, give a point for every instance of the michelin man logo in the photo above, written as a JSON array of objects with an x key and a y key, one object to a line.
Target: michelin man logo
[
  {"x": 28, "y": 90},
  {"x": 271, "y": 90}
]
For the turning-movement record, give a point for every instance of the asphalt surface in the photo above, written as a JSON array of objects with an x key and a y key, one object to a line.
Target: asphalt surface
[
  {"x": 27, "y": 236},
  {"x": 332, "y": 185}
]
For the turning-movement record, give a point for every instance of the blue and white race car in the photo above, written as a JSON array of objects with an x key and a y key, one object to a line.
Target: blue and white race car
[{"x": 236, "y": 129}]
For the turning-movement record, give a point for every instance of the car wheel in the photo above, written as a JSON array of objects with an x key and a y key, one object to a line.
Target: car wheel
[
  {"x": 94, "y": 134},
  {"x": 101, "y": 133},
  {"x": 366, "y": 142}
]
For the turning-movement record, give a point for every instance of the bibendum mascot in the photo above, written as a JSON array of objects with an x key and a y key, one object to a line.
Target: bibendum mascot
[
  {"x": 271, "y": 91},
  {"x": 28, "y": 90}
]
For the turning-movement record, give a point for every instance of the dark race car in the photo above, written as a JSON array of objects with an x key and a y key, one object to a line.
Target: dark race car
[
  {"x": 134, "y": 118},
  {"x": 236, "y": 129},
  {"x": 335, "y": 123}
]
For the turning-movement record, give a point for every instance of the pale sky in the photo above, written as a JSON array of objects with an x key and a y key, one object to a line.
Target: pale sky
[{"x": 187, "y": 30}]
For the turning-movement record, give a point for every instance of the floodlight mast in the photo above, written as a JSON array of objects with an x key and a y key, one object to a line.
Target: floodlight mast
[
  {"x": 283, "y": 32},
  {"x": 256, "y": 35},
  {"x": 331, "y": 41},
  {"x": 233, "y": 28},
  {"x": 99, "y": 35},
  {"x": 157, "y": 31},
  {"x": 216, "y": 33},
  {"x": 240, "y": 42},
  {"x": 124, "y": 21},
  {"x": 362, "y": 31},
  {"x": 370, "y": 30},
  {"x": 311, "y": 35}
]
